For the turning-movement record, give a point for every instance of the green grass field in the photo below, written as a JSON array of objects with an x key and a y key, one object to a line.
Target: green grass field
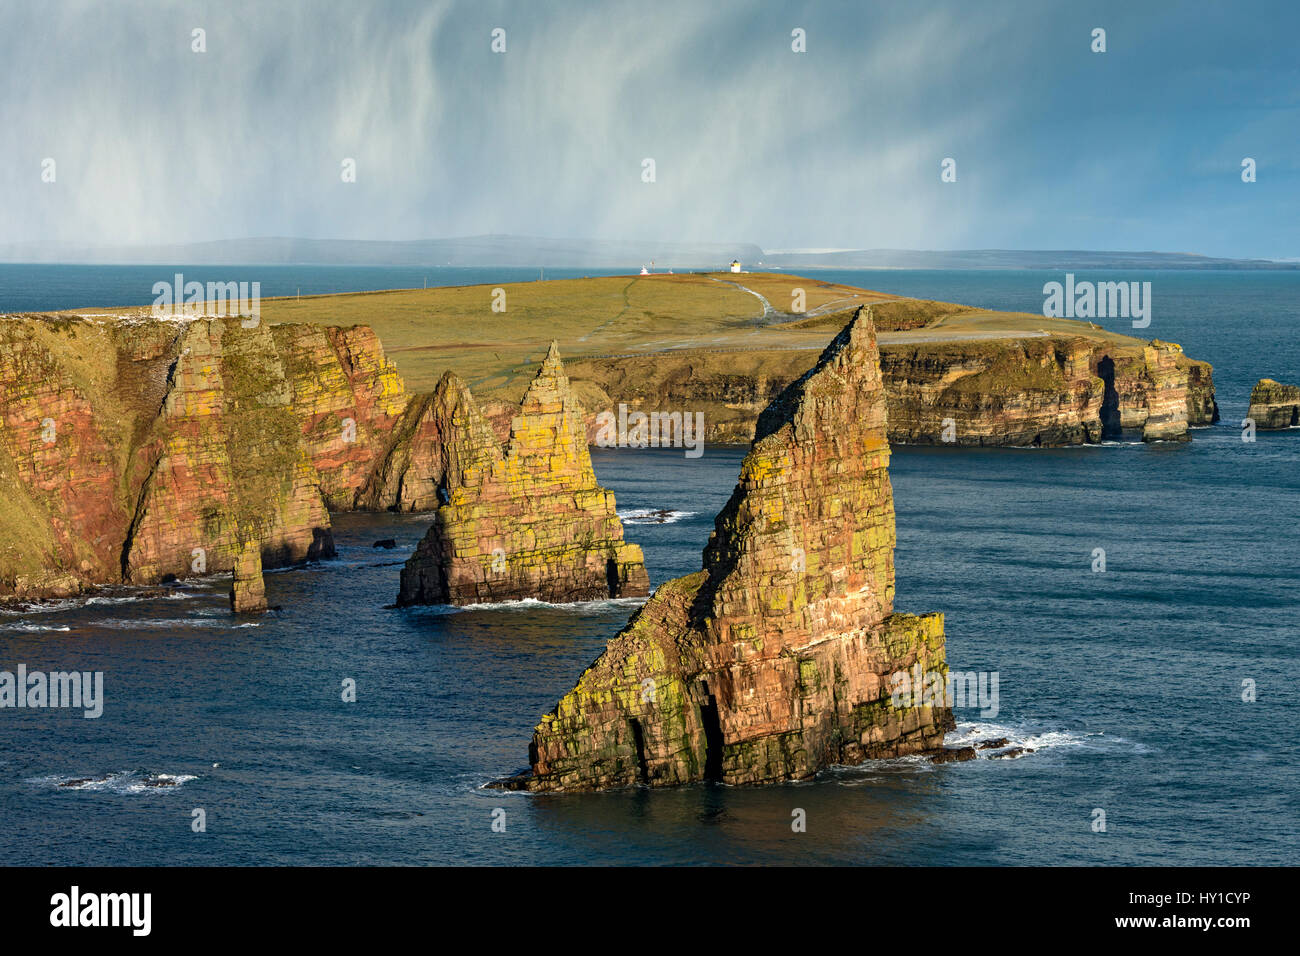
[{"x": 426, "y": 331}]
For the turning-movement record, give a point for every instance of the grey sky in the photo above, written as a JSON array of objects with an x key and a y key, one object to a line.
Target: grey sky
[{"x": 1056, "y": 146}]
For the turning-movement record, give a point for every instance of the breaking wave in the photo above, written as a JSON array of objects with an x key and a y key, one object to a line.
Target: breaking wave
[
  {"x": 653, "y": 516},
  {"x": 27, "y": 627},
  {"x": 528, "y": 604},
  {"x": 1033, "y": 738},
  {"x": 123, "y": 781}
]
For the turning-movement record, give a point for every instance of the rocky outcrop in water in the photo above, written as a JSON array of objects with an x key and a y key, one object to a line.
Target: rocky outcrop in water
[
  {"x": 1273, "y": 405},
  {"x": 526, "y": 520},
  {"x": 248, "y": 589},
  {"x": 775, "y": 660}
]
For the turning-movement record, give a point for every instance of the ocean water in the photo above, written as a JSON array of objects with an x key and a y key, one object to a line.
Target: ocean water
[{"x": 1126, "y": 683}]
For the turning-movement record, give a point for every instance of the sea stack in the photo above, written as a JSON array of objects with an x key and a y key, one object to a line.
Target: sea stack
[
  {"x": 248, "y": 590},
  {"x": 777, "y": 659},
  {"x": 524, "y": 521},
  {"x": 1274, "y": 406}
]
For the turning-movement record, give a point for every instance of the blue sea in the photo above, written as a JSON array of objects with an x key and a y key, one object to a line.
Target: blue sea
[{"x": 1126, "y": 683}]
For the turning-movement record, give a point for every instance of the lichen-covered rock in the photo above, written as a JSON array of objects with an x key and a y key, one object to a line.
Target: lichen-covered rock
[
  {"x": 224, "y": 453},
  {"x": 348, "y": 399},
  {"x": 1274, "y": 405},
  {"x": 63, "y": 434},
  {"x": 248, "y": 589},
  {"x": 1033, "y": 390},
  {"x": 132, "y": 450},
  {"x": 775, "y": 660},
  {"x": 524, "y": 521}
]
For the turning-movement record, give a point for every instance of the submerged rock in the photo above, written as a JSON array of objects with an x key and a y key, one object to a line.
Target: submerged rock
[
  {"x": 1011, "y": 752},
  {"x": 952, "y": 754},
  {"x": 775, "y": 660},
  {"x": 524, "y": 521},
  {"x": 1274, "y": 406}
]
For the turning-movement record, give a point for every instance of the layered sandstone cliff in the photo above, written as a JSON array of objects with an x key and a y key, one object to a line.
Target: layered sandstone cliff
[
  {"x": 1274, "y": 405},
  {"x": 131, "y": 452},
  {"x": 1018, "y": 390},
  {"x": 526, "y": 520},
  {"x": 775, "y": 660},
  {"x": 136, "y": 451}
]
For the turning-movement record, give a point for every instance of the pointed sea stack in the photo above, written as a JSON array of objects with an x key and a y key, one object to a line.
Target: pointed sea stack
[
  {"x": 526, "y": 521},
  {"x": 775, "y": 660}
]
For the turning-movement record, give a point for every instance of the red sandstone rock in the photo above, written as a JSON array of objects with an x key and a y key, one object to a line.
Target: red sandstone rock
[
  {"x": 526, "y": 520},
  {"x": 775, "y": 660}
]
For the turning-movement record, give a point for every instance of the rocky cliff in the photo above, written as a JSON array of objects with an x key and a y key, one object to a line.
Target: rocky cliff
[
  {"x": 774, "y": 661},
  {"x": 1274, "y": 405},
  {"x": 526, "y": 520},
  {"x": 1030, "y": 390},
  {"x": 135, "y": 451}
]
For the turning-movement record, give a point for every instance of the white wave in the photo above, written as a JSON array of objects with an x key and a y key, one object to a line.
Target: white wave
[
  {"x": 41, "y": 607},
  {"x": 123, "y": 781},
  {"x": 55, "y": 605},
  {"x": 136, "y": 624},
  {"x": 1029, "y": 738},
  {"x": 653, "y": 516},
  {"x": 27, "y": 627},
  {"x": 136, "y": 598},
  {"x": 529, "y": 604}
]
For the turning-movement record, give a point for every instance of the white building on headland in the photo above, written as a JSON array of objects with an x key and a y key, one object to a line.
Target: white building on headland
[{"x": 735, "y": 265}]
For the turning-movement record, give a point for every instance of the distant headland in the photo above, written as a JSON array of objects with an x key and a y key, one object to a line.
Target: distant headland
[{"x": 580, "y": 253}]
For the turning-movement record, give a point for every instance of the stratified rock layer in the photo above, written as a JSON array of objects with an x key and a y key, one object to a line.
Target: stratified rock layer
[
  {"x": 524, "y": 521},
  {"x": 775, "y": 660},
  {"x": 248, "y": 589},
  {"x": 131, "y": 451},
  {"x": 137, "y": 450},
  {"x": 1273, "y": 405},
  {"x": 1033, "y": 390}
]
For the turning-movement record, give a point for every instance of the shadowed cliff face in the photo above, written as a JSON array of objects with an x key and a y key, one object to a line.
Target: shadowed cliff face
[
  {"x": 524, "y": 521},
  {"x": 774, "y": 660}
]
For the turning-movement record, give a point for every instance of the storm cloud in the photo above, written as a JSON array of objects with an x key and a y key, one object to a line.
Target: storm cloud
[{"x": 1056, "y": 146}]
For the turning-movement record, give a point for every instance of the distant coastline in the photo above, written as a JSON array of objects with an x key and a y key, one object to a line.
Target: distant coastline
[{"x": 538, "y": 252}]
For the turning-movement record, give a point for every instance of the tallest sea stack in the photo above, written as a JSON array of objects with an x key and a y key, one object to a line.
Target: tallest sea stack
[{"x": 775, "y": 660}]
